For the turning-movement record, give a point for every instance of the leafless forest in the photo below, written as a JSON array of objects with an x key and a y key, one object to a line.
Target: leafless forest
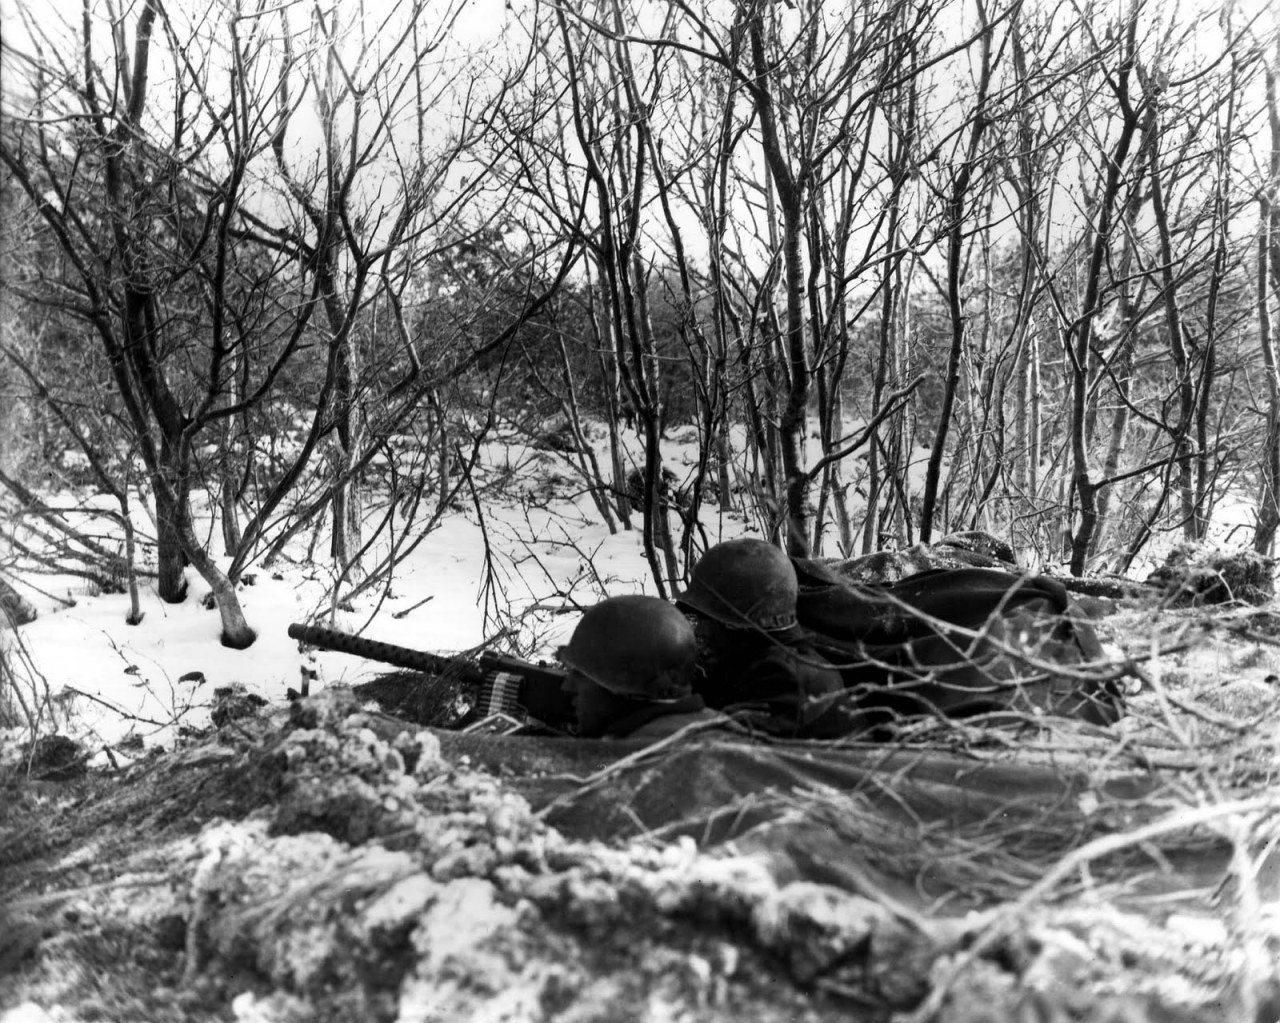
[{"x": 905, "y": 266}]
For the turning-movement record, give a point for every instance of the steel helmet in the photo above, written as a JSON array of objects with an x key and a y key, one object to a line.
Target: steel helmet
[
  {"x": 635, "y": 646},
  {"x": 745, "y": 584}
]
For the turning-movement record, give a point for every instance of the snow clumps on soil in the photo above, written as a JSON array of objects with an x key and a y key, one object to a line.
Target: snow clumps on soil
[{"x": 351, "y": 871}]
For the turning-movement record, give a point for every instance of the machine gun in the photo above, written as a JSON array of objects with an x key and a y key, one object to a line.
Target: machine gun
[{"x": 509, "y": 693}]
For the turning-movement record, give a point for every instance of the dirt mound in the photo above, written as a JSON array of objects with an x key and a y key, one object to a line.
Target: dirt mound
[{"x": 324, "y": 863}]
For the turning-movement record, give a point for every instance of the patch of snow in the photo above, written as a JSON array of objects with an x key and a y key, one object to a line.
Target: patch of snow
[
  {"x": 547, "y": 560},
  {"x": 407, "y": 898}
]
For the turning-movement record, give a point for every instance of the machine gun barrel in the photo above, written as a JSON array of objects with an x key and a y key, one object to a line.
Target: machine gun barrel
[
  {"x": 505, "y": 684},
  {"x": 387, "y": 653}
]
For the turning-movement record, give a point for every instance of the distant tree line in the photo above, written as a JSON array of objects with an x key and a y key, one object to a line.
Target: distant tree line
[{"x": 902, "y": 266}]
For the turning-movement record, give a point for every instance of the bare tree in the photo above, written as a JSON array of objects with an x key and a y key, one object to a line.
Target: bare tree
[
  {"x": 118, "y": 242},
  {"x": 1268, "y": 288},
  {"x": 957, "y": 225},
  {"x": 214, "y": 259}
]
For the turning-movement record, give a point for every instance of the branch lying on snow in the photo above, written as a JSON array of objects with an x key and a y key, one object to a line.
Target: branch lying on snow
[
  {"x": 32, "y": 504},
  {"x": 67, "y": 601},
  {"x": 36, "y": 704},
  {"x": 123, "y": 714},
  {"x": 154, "y": 879}
]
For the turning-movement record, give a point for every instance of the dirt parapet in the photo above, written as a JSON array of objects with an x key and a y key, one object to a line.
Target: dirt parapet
[{"x": 324, "y": 863}]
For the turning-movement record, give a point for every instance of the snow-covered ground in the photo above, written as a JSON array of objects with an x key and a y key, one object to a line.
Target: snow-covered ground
[{"x": 542, "y": 546}]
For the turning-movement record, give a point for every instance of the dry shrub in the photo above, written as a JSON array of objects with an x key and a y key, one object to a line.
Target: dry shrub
[{"x": 1195, "y": 574}]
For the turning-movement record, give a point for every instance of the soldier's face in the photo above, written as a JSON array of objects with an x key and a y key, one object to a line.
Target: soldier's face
[
  {"x": 595, "y": 708},
  {"x": 713, "y": 639}
]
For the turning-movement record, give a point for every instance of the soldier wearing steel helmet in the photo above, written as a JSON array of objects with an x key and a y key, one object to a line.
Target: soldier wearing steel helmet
[
  {"x": 754, "y": 659},
  {"x": 630, "y": 668}
]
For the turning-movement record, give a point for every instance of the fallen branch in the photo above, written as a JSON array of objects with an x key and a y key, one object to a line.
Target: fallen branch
[{"x": 1005, "y": 919}]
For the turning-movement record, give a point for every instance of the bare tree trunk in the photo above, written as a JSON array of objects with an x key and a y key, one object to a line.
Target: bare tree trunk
[
  {"x": 1078, "y": 336},
  {"x": 1115, "y": 444},
  {"x": 1121, "y": 357},
  {"x": 1220, "y": 274},
  {"x": 236, "y": 632},
  {"x": 608, "y": 363},
  {"x": 170, "y": 489},
  {"x": 1268, "y": 281},
  {"x": 956, "y": 231},
  {"x": 791, "y": 422},
  {"x": 348, "y": 442},
  {"x": 890, "y": 330},
  {"x": 173, "y": 495},
  {"x": 838, "y": 487},
  {"x": 135, "y": 615},
  {"x": 660, "y": 526},
  {"x": 1035, "y": 415},
  {"x": 1180, "y": 432}
]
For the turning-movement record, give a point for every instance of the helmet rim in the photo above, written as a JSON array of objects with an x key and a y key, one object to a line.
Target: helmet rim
[{"x": 754, "y": 568}]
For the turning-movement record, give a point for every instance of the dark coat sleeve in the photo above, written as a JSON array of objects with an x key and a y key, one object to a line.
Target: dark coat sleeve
[{"x": 794, "y": 691}]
